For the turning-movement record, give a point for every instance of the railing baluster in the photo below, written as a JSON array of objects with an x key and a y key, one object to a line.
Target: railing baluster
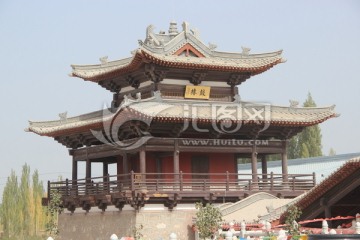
[
  {"x": 67, "y": 187},
  {"x": 132, "y": 186},
  {"x": 293, "y": 183},
  {"x": 97, "y": 188},
  {"x": 272, "y": 181},
  {"x": 108, "y": 183},
  {"x": 314, "y": 179},
  {"x": 227, "y": 181}
]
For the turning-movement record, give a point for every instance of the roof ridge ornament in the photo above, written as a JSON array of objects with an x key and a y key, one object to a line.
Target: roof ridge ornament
[
  {"x": 157, "y": 96},
  {"x": 63, "y": 117},
  {"x": 245, "y": 50},
  {"x": 151, "y": 39},
  {"x": 195, "y": 32},
  {"x": 212, "y": 46},
  {"x": 294, "y": 103},
  {"x": 104, "y": 60},
  {"x": 185, "y": 26},
  {"x": 186, "y": 29},
  {"x": 173, "y": 31}
]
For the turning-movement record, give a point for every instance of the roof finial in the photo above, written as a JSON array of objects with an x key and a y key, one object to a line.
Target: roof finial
[
  {"x": 173, "y": 29},
  {"x": 185, "y": 26}
]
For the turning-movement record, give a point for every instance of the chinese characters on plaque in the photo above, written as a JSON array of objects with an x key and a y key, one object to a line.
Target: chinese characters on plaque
[{"x": 197, "y": 92}]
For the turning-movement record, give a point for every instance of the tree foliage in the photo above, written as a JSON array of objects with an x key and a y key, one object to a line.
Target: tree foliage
[
  {"x": 332, "y": 152},
  {"x": 21, "y": 214},
  {"x": 9, "y": 206},
  {"x": 208, "y": 219},
  {"x": 308, "y": 142},
  {"x": 292, "y": 214},
  {"x": 53, "y": 210}
]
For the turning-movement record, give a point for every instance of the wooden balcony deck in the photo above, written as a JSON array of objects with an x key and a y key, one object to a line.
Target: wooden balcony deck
[{"x": 168, "y": 188}]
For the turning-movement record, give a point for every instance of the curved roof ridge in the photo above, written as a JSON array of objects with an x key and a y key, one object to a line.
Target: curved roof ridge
[
  {"x": 245, "y": 56},
  {"x": 107, "y": 64},
  {"x": 82, "y": 117},
  {"x": 332, "y": 107}
]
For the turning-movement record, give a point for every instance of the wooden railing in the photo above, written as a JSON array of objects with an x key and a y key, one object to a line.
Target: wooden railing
[{"x": 183, "y": 183}]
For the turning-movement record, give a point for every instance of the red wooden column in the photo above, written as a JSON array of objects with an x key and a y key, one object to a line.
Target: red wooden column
[
  {"x": 176, "y": 161},
  {"x": 264, "y": 167},
  {"x": 284, "y": 161},
  {"x": 142, "y": 162},
  {"x": 74, "y": 177},
  {"x": 254, "y": 165},
  {"x": 88, "y": 175},
  {"x": 125, "y": 163},
  {"x": 106, "y": 176},
  {"x": 105, "y": 171},
  {"x": 74, "y": 171},
  {"x": 88, "y": 170}
]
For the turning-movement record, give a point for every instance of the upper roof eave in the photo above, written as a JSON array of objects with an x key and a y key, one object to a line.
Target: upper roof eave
[
  {"x": 169, "y": 111},
  {"x": 163, "y": 50},
  {"x": 255, "y": 65}
]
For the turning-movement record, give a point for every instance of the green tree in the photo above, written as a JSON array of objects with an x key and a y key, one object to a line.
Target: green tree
[
  {"x": 293, "y": 148},
  {"x": 9, "y": 210},
  {"x": 53, "y": 210},
  {"x": 308, "y": 142},
  {"x": 332, "y": 152},
  {"x": 24, "y": 201},
  {"x": 292, "y": 214},
  {"x": 22, "y": 215},
  {"x": 40, "y": 216},
  {"x": 208, "y": 219}
]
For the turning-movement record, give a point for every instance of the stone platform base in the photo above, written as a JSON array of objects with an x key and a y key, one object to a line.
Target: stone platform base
[{"x": 157, "y": 221}]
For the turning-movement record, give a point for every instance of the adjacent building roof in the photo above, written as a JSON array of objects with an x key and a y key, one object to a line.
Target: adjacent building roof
[
  {"x": 340, "y": 192},
  {"x": 342, "y": 174},
  {"x": 161, "y": 110},
  {"x": 179, "y": 50}
]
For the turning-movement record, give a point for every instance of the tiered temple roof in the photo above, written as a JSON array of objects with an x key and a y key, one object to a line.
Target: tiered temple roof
[
  {"x": 150, "y": 85},
  {"x": 173, "y": 52}
]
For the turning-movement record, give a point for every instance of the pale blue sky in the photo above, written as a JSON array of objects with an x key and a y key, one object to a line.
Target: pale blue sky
[{"x": 40, "y": 39}]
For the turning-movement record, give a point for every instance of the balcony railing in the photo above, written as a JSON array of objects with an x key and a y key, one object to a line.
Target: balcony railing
[{"x": 157, "y": 183}]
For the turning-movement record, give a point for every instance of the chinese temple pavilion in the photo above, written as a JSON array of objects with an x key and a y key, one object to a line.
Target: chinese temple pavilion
[{"x": 177, "y": 126}]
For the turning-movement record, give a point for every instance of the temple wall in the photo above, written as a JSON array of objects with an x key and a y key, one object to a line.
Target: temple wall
[
  {"x": 222, "y": 162},
  {"x": 218, "y": 163},
  {"x": 157, "y": 223}
]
